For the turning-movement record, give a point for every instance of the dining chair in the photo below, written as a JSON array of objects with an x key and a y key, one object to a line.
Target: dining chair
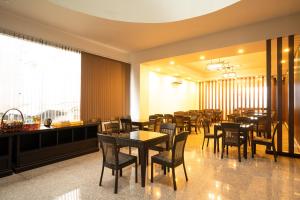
[
  {"x": 114, "y": 159},
  {"x": 194, "y": 122},
  {"x": 231, "y": 136},
  {"x": 207, "y": 135},
  {"x": 169, "y": 129},
  {"x": 244, "y": 120},
  {"x": 269, "y": 143},
  {"x": 179, "y": 121},
  {"x": 168, "y": 118},
  {"x": 173, "y": 158},
  {"x": 261, "y": 127}
]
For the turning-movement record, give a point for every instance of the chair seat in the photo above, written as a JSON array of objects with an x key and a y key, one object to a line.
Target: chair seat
[
  {"x": 124, "y": 160},
  {"x": 261, "y": 140},
  {"x": 163, "y": 157},
  {"x": 159, "y": 147}
]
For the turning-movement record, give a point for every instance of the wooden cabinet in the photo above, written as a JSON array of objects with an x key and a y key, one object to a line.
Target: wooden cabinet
[
  {"x": 40, "y": 147},
  {"x": 5, "y": 154}
]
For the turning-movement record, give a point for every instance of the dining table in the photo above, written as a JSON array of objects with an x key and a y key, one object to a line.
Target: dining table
[
  {"x": 142, "y": 140},
  {"x": 244, "y": 128},
  {"x": 140, "y": 124}
]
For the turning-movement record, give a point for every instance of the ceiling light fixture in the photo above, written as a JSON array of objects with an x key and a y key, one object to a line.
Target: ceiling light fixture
[
  {"x": 172, "y": 62},
  {"x": 215, "y": 66},
  {"x": 286, "y": 50},
  {"x": 202, "y": 57},
  {"x": 240, "y": 51},
  {"x": 283, "y": 61},
  {"x": 158, "y": 69},
  {"x": 229, "y": 75}
]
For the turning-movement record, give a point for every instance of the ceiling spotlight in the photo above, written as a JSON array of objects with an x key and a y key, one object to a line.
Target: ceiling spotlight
[
  {"x": 189, "y": 78},
  {"x": 283, "y": 61},
  {"x": 158, "y": 69},
  {"x": 229, "y": 75},
  {"x": 286, "y": 50},
  {"x": 172, "y": 62},
  {"x": 202, "y": 57},
  {"x": 176, "y": 74},
  {"x": 240, "y": 51}
]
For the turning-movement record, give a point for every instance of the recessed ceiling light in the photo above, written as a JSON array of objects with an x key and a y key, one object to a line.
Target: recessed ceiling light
[
  {"x": 189, "y": 78},
  {"x": 172, "y": 62},
  {"x": 198, "y": 80},
  {"x": 202, "y": 57},
  {"x": 283, "y": 61},
  {"x": 158, "y": 69},
  {"x": 240, "y": 51},
  {"x": 286, "y": 50},
  {"x": 176, "y": 74}
]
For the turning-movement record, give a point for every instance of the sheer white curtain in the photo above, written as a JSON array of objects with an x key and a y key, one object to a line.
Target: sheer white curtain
[{"x": 38, "y": 79}]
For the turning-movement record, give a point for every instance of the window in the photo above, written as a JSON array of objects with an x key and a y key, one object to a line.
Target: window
[{"x": 39, "y": 80}]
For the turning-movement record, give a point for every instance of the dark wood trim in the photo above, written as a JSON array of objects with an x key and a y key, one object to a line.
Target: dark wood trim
[
  {"x": 291, "y": 94},
  {"x": 268, "y": 76},
  {"x": 279, "y": 93}
]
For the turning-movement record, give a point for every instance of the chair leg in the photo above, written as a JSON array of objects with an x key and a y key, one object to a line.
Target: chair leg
[
  {"x": 222, "y": 150},
  {"x": 136, "y": 171},
  {"x": 186, "y": 178},
  {"x": 116, "y": 182},
  {"x": 207, "y": 142},
  {"x": 203, "y": 143},
  {"x": 218, "y": 144},
  {"x": 151, "y": 171},
  {"x": 239, "y": 151},
  {"x": 113, "y": 172},
  {"x": 227, "y": 149},
  {"x": 274, "y": 152},
  {"x": 252, "y": 149},
  {"x": 129, "y": 150},
  {"x": 174, "y": 178},
  {"x": 121, "y": 172},
  {"x": 100, "y": 182},
  {"x": 165, "y": 170}
]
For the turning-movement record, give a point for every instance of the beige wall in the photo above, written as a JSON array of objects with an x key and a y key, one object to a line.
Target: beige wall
[{"x": 159, "y": 96}]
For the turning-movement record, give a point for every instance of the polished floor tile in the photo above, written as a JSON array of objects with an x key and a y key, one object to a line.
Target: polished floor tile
[{"x": 210, "y": 177}]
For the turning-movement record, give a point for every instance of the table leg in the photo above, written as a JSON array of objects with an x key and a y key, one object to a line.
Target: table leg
[
  {"x": 215, "y": 138},
  {"x": 143, "y": 165},
  {"x": 245, "y": 144}
]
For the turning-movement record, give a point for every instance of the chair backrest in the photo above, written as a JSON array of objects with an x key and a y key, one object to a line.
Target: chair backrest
[
  {"x": 157, "y": 124},
  {"x": 231, "y": 133},
  {"x": 170, "y": 129},
  {"x": 112, "y": 127},
  {"x": 126, "y": 125},
  {"x": 231, "y": 117},
  {"x": 168, "y": 118},
  {"x": 179, "y": 120},
  {"x": 262, "y": 124},
  {"x": 109, "y": 148},
  {"x": 205, "y": 124},
  {"x": 178, "y": 146},
  {"x": 152, "y": 117},
  {"x": 243, "y": 120},
  {"x": 159, "y": 115}
]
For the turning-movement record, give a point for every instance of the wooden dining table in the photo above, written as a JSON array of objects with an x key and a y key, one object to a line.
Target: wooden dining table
[
  {"x": 142, "y": 140},
  {"x": 245, "y": 128}
]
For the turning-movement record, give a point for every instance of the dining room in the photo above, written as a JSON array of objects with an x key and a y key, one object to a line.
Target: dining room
[{"x": 149, "y": 99}]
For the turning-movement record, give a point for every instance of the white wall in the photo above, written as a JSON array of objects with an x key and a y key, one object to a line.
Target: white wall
[{"x": 160, "y": 96}]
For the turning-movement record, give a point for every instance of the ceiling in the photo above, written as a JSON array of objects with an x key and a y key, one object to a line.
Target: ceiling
[
  {"x": 251, "y": 62},
  {"x": 133, "y": 37},
  {"x": 145, "y": 11}
]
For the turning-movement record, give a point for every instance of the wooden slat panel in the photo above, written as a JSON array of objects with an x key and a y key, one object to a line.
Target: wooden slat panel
[
  {"x": 104, "y": 87},
  {"x": 291, "y": 94},
  {"x": 279, "y": 93},
  {"x": 268, "y": 74}
]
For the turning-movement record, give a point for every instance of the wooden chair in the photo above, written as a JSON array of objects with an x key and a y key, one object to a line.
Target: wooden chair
[
  {"x": 169, "y": 129},
  {"x": 264, "y": 141},
  {"x": 194, "y": 122},
  {"x": 172, "y": 159},
  {"x": 231, "y": 136},
  {"x": 114, "y": 159},
  {"x": 168, "y": 118},
  {"x": 244, "y": 120},
  {"x": 207, "y": 135},
  {"x": 179, "y": 121}
]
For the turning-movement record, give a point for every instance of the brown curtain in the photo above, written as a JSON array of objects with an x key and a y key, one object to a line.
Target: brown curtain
[{"x": 105, "y": 87}]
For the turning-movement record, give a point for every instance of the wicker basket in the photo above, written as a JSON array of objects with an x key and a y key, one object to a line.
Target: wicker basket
[{"x": 14, "y": 125}]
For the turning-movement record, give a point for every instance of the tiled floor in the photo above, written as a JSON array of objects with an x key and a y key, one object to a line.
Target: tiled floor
[{"x": 209, "y": 178}]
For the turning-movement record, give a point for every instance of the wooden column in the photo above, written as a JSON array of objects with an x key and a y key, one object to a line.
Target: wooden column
[
  {"x": 291, "y": 94},
  {"x": 268, "y": 74},
  {"x": 279, "y": 93}
]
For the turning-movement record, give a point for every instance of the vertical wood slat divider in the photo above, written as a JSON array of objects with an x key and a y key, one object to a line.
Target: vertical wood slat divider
[
  {"x": 291, "y": 94},
  {"x": 279, "y": 93},
  {"x": 268, "y": 74}
]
